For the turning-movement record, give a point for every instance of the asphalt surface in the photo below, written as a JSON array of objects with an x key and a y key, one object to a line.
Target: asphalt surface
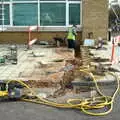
[{"x": 31, "y": 111}]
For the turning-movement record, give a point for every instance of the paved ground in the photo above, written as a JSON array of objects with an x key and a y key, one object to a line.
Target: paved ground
[
  {"x": 29, "y": 111},
  {"x": 29, "y": 66},
  {"x": 35, "y": 64}
]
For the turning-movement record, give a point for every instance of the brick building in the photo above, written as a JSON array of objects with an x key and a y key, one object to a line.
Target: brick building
[{"x": 53, "y": 17}]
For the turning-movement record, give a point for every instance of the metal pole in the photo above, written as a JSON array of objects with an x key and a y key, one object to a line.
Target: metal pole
[
  {"x": 115, "y": 13},
  {"x": 113, "y": 50},
  {"x": 29, "y": 38}
]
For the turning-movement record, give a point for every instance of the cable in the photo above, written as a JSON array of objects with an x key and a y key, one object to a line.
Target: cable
[
  {"x": 3, "y": 93},
  {"x": 84, "y": 105},
  {"x": 106, "y": 98}
]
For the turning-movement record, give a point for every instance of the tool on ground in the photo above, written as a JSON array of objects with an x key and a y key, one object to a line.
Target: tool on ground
[
  {"x": 66, "y": 69},
  {"x": 12, "y": 55},
  {"x": 12, "y": 89},
  {"x": 2, "y": 60}
]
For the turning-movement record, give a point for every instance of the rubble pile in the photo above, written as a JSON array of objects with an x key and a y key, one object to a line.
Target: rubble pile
[{"x": 50, "y": 72}]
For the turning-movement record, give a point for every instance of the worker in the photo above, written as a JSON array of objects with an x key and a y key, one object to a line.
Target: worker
[
  {"x": 71, "y": 36},
  {"x": 100, "y": 43},
  {"x": 58, "y": 40}
]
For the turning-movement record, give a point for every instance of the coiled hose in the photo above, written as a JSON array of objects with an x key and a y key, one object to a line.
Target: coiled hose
[{"x": 84, "y": 105}]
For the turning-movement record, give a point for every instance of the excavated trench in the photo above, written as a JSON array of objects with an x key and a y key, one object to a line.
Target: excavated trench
[
  {"x": 62, "y": 71},
  {"x": 44, "y": 67}
]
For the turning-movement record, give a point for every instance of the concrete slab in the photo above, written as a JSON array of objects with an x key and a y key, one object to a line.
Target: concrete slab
[
  {"x": 106, "y": 80},
  {"x": 34, "y": 68}
]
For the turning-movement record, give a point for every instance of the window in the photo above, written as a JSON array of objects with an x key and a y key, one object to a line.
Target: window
[
  {"x": 53, "y": 0},
  {"x": 5, "y": 0},
  {"x": 4, "y": 14},
  {"x": 49, "y": 13},
  {"x": 24, "y": 14},
  {"x": 23, "y": 0},
  {"x": 73, "y": 0},
  {"x": 74, "y": 14},
  {"x": 52, "y": 14}
]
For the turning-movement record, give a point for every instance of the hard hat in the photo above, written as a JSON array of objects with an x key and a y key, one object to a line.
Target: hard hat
[{"x": 70, "y": 26}]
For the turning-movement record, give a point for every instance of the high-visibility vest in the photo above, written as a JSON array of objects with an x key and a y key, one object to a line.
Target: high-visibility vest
[{"x": 70, "y": 36}]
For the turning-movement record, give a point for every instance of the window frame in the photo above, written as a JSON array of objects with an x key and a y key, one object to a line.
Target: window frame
[
  {"x": 6, "y": 3},
  {"x": 80, "y": 12},
  {"x": 43, "y": 28}
]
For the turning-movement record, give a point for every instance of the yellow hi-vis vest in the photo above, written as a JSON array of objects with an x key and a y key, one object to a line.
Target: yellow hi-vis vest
[{"x": 70, "y": 36}]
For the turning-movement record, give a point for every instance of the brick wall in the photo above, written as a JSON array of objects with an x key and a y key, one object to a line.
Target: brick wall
[
  {"x": 95, "y": 18},
  {"x": 22, "y": 37}
]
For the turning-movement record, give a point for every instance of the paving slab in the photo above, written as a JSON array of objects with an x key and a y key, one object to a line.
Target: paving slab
[{"x": 34, "y": 68}]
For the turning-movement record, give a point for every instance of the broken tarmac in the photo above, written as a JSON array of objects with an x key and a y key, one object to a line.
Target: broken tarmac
[{"x": 34, "y": 65}]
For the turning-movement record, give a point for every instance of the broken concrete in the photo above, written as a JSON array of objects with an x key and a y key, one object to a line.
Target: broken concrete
[
  {"x": 46, "y": 68},
  {"x": 33, "y": 68}
]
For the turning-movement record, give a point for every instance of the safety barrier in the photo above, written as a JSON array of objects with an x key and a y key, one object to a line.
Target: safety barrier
[
  {"x": 115, "y": 50},
  {"x": 30, "y": 40}
]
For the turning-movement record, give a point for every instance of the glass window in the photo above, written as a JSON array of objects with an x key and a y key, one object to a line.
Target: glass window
[
  {"x": 24, "y": 0},
  {"x": 74, "y": 0},
  {"x": 4, "y": 15},
  {"x": 52, "y": 0},
  {"x": 52, "y": 14},
  {"x": 25, "y": 14},
  {"x": 74, "y": 14},
  {"x": 5, "y": 0}
]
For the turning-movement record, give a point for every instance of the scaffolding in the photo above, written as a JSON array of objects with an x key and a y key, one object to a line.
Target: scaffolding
[
  {"x": 115, "y": 6},
  {"x": 115, "y": 17}
]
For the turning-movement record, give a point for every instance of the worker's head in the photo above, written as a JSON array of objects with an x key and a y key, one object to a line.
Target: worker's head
[
  {"x": 74, "y": 25},
  {"x": 70, "y": 25},
  {"x": 99, "y": 38}
]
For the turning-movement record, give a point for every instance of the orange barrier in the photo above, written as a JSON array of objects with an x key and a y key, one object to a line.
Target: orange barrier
[
  {"x": 115, "y": 50},
  {"x": 30, "y": 40}
]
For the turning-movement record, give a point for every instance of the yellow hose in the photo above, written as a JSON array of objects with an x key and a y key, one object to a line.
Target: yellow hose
[
  {"x": 3, "y": 93},
  {"x": 104, "y": 104},
  {"x": 84, "y": 105}
]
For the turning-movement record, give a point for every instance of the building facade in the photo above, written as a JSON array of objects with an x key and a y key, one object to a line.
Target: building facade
[{"x": 52, "y": 17}]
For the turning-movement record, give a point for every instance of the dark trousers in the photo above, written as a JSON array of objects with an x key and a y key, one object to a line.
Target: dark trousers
[{"x": 71, "y": 43}]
